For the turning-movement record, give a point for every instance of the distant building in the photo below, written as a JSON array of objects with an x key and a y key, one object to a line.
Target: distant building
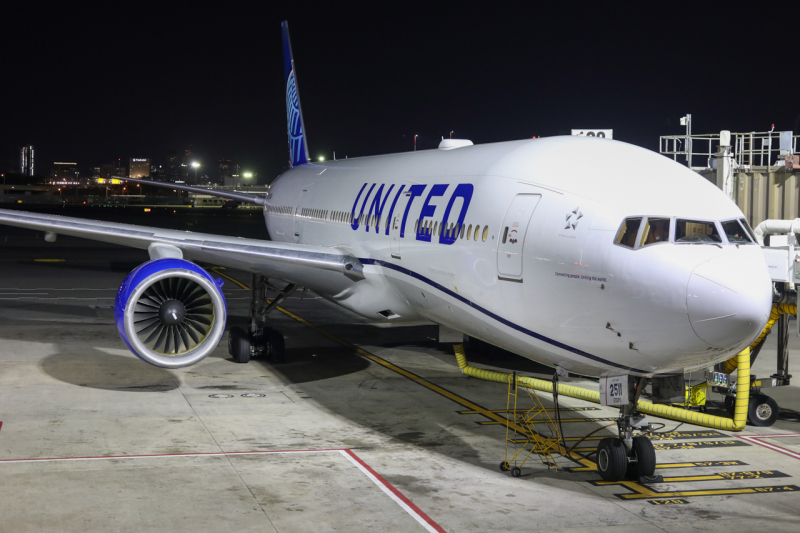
[
  {"x": 139, "y": 168},
  {"x": 106, "y": 171},
  {"x": 26, "y": 160},
  {"x": 225, "y": 169},
  {"x": 187, "y": 171},
  {"x": 64, "y": 172}
]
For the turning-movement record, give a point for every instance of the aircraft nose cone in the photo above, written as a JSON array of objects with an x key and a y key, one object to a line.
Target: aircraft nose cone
[{"x": 729, "y": 299}]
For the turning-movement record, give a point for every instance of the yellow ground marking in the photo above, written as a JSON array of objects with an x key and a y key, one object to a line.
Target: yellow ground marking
[
  {"x": 719, "y": 476},
  {"x": 49, "y": 260},
  {"x": 640, "y": 491},
  {"x": 525, "y": 410},
  {"x": 405, "y": 373},
  {"x": 563, "y": 420}
]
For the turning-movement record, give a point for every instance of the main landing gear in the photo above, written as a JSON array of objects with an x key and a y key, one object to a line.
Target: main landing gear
[
  {"x": 260, "y": 340},
  {"x": 628, "y": 456}
]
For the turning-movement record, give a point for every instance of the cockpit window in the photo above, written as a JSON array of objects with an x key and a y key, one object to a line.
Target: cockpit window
[
  {"x": 628, "y": 231},
  {"x": 655, "y": 230},
  {"x": 735, "y": 232},
  {"x": 748, "y": 229},
  {"x": 695, "y": 231}
]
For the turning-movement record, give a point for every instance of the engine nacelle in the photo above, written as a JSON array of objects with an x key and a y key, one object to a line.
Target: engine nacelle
[{"x": 170, "y": 312}]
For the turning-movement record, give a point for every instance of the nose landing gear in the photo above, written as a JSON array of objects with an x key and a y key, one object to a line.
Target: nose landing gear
[
  {"x": 628, "y": 455},
  {"x": 260, "y": 341}
]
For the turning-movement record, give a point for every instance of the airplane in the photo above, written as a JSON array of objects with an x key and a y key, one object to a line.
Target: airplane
[{"x": 590, "y": 255}]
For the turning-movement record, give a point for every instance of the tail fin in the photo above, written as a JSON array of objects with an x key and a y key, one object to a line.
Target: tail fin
[{"x": 298, "y": 149}]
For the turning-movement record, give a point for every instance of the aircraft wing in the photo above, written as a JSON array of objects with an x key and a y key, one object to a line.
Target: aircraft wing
[
  {"x": 320, "y": 268},
  {"x": 230, "y": 195}
]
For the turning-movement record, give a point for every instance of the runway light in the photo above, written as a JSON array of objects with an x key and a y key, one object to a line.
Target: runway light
[
  {"x": 321, "y": 158},
  {"x": 248, "y": 174},
  {"x": 146, "y": 209},
  {"x": 195, "y": 164}
]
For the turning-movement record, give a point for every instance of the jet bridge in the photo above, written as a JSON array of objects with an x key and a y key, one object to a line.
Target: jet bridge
[{"x": 760, "y": 171}]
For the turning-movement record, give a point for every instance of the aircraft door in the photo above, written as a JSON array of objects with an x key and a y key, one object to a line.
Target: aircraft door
[
  {"x": 512, "y": 236},
  {"x": 297, "y": 225},
  {"x": 396, "y": 223}
]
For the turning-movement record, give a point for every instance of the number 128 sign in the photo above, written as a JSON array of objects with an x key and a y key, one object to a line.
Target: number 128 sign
[
  {"x": 614, "y": 390},
  {"x": 607, "y": 134}
]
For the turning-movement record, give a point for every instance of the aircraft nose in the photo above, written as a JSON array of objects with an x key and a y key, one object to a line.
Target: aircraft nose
[{"x": 729, "y": 299}]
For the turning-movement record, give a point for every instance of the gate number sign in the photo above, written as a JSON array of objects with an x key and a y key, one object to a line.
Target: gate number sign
[
  {"x": 608, "y": 134},
  {"x": 614, "y": 390}
]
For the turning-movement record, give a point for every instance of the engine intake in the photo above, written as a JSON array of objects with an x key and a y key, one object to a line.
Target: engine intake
[{"x": 170, "y": 312}]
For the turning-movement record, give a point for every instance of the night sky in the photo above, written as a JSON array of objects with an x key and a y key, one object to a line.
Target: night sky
[{"x": 93, "y": 84}]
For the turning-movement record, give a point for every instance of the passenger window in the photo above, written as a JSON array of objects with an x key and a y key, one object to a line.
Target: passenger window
[
  {"x": 655, "y": 230},
  {"x": 695, "y": 231},
  {"x": 416, "y": 226},
  {"x": 628, "y": 231},
  {"x": 485, "y": 233},
  {"x": 505, "y": 234},
  {"x": 469, "y": 231},
  {"x": 461, "y": 232},
  {"x": 435, "y": 228},
  {"x": 735, "y": 232}
]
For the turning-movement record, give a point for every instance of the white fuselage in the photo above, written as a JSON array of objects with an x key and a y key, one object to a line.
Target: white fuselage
[{"x": 542, "y": 276}]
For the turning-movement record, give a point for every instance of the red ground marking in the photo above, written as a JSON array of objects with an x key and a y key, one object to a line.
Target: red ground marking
[
  {"x": 756, "y": 439},
  {"x": 396, "y": 492},
  {"x": 398, "y": 496}
]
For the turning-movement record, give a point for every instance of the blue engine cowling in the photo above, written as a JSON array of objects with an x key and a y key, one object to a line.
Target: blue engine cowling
[{"x": 170, "y": 312}]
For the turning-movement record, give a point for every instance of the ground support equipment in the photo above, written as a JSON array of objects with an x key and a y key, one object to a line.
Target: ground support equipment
[{"x": 525, "y": 431}]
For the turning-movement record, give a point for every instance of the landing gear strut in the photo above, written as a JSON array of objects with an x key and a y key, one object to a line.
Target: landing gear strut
[
  {"x": 260, "y": 340},
  {"x": 628, "y": 455}
]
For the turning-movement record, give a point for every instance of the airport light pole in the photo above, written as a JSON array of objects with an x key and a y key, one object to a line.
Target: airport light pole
[
  {"x": 415, "y": 142},
  {"x": 195, "y": 164}
]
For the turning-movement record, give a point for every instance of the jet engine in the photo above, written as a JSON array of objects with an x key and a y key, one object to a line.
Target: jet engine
[{"x": 170, "y": 312}]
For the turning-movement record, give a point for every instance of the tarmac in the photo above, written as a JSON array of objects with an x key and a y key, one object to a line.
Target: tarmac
[{"x": 361, "y": 429}]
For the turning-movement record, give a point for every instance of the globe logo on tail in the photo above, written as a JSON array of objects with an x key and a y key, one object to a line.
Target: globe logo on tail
[{"x": 296, "y": 151}]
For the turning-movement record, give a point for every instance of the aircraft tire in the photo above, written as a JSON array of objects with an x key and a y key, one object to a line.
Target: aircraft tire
[
  {"x": 516, "y": 471},
  {"x": 277, "y": 346},
  {"x": 645, "y": 454},
  {"x": 612, "y": 460},
  {"x": 762, "y": 411},
  {"x": 504, "y": 466},
  {"x": 239, "y": 345},
  {"x": 730, "y": 405}
]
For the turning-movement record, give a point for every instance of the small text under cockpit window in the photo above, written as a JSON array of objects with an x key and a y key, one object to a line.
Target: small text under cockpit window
[
  {"x": 628, "y": 231},
  {"x": 735, "y": 232},
  {"x": 655, "y": 230},
  {"x": 697, "y": 232}
]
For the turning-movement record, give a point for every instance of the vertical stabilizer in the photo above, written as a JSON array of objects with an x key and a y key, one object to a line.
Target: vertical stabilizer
[{"x": 298, "y": 149}]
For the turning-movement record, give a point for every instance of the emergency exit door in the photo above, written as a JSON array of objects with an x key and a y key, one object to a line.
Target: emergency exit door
[{"x": 512, "y": 236}]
